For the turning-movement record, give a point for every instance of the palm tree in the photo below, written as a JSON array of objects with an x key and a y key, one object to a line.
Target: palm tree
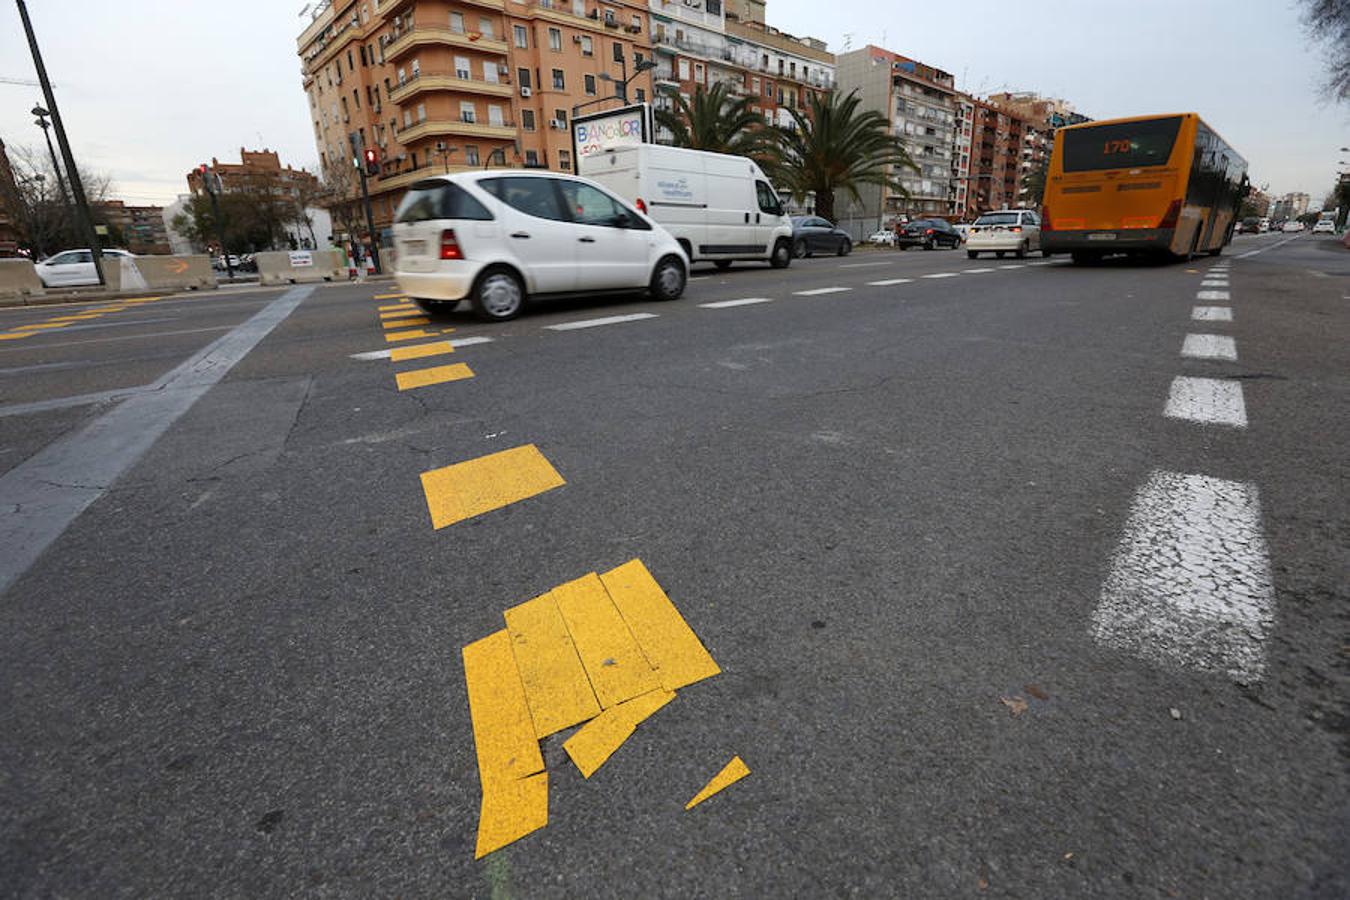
[
  {"x": 716, "y": 121},
  {"x": 835, "y": 148}
]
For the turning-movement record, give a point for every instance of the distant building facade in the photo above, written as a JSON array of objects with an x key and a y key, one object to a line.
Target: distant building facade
[
  {"x": 141, "y": 228},
  {"x": 256, "y": 170},
  {"x": 9, "y": 207}
]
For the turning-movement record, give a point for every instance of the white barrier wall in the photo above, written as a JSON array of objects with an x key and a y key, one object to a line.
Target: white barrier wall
[
  {"x": 300, "y": 266},
  {"x": 18, "y": 279}
]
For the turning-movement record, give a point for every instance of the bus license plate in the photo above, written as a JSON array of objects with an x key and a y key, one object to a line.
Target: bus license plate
[{"x": 1102, "y": 236}]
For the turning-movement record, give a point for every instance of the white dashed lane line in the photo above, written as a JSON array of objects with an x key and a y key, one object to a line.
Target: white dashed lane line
[
  {"x": 726, "y": 304},
  {"x": 1212, "y": 295},
  {"x": 1212, "y": 314},
  {"x": 1209, "y": 346},
  {"x": 942, "y": 275},
  {"x": 977, "y": 271},
  {"x": 1214, "y": 283},
  {"x": 603, "y": 320},
  {"x": 889, "y": 281},
  {"x": 864, "y": 265},
  {"x": 1014, "y": 266},
  {"x": 1209, "y": 401},
  {"x": 818, "y": 291}
]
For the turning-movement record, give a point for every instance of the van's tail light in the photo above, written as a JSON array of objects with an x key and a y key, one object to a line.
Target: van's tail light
[
  {"x": 1169, "y": 219},
  {"x": 642, "y": 206},
  {"x": 450, "y": 246}
]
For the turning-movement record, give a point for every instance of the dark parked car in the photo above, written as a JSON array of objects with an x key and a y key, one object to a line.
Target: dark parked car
[
  {"x": 812, "y": 234},
  {"x": 929, "y": 234}
]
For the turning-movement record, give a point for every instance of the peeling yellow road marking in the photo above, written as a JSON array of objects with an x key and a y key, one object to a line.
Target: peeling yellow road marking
[
  {"x": 614, "y": 663},
  {"x": 36, "y": 326},
  {"x": 417, "y": 351},
  {"x": 665, "y": 638},
  {"x": 731, "y": 773},
  {"x": 392, "y": 336},
  {"x": 395, "y": 306},
  {"x": 510, "y": 811},
  {"x": 390, "y": 296},
  {"x": 490, "y": 482},
  {"x": 597, "y": 740},
  {"x": 401, "y": 313},
  {"x": 435, "y": 375},
  {"x": 404, "y": 323},
  {"x": 15, "y": 337},
  {"x": 556, "y": 687},
  {"x": 143, "y": 300}
]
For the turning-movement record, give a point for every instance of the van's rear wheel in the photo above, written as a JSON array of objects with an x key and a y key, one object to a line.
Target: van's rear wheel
[
  {"x": 498, "y": 295},
  {"x": 782, "y": 254},
  {"x": 668, "y": 279}
]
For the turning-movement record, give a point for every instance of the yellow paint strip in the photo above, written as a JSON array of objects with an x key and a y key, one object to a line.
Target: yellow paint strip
[
  {"x": 397, "y": 306},
  {"x": 401, "y": 313},
  {"x": 731, "y": 773},
  {"x": 41, "y": 325},
  {"x": 404, "y": 323},
  {"x": 15, "y": 337},
  {"x": 143, "y": 300},
  {"x": 503, "y": 732},
  {"x": 435, "y": 375},
  {"x": 665, "y": 638},
  {"x": 93, "y": 315},
  {"x": 392, "y": 336},
  {"x": 596, "y": 741},
  {"x": 390, "y": 296},
  {"x": 471, "y": 488},
  {"x": 556, "y": 687},
  {"x": 417, "y": 351},
  {"x": 617, "y": 669},
  {"x": 510, "y": 811}
]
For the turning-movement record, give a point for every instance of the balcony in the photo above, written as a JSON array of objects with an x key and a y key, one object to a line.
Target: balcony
[
  {"x": 436, "y": 127},
  {"x": 421, "y": 83},
  {"x": 422, "y": 36}
]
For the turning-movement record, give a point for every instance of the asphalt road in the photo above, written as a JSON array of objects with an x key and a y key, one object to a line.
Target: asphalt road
[{"x": 900, "y": 516}]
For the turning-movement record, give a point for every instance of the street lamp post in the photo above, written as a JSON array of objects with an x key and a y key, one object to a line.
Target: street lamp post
[
  {"x": 76, "y": 187},
  {"x": 41, "y": 122},
  {"x": 620, "y": 87}
]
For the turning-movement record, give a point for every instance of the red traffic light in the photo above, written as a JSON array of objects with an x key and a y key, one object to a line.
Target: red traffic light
[{"x": 372, "y": 157}]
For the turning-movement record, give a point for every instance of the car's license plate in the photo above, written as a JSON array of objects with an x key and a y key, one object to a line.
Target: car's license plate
[
  {"x": 1102, "y": 236},
  {"x": 415, "y": 248}
]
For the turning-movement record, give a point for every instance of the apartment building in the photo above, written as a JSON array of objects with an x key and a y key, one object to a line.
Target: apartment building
[
  {"x": 1291, "y": 206},
  {"x": 256, "y": 170},
  {"x": 998, "y": 145},
  {"x": 452, "y": 85},
  {"x": 141, "y": 227},
  {"x": 9, "y": 207},
  {"x": 920, "y": 101},
  {"x": 1043, "y": 116}
]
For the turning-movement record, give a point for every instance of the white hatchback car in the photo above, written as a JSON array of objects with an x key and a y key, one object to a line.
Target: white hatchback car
[
  {"x": 1016, "y": 231},
  {"x": 498, "y": 237},
  {"x": 1324, "y": 226},
  {"x": 72, "y": 267}
]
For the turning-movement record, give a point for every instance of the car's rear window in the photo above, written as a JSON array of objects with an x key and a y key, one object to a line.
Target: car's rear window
[
  {"x": 531, "y": 195},
  {"x": 997, "y": 219},
  {"x": 436, "y": 199},
  {"x": 1120, "y": 145}
]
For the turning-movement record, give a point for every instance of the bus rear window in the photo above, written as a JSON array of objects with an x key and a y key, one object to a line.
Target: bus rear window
[
  {"x": 436, "y": 199},
  {"x": 1121, "y": 145}
]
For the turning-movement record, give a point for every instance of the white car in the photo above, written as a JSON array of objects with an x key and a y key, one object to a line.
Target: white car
[
  {"x": 883, "y": 238},
  {"x": 1324, "y": 226},
  {"x": 1016, "y": 231},
  {"x": 72, "y": 267},
  {"x": 1292, "y": 226},
  {"x": 498, "y": 238}
]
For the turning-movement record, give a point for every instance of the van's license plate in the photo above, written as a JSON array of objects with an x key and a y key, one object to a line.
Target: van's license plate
[
  {"x": 415, "y": 248},
  {"x": 1102, "y": 236}
]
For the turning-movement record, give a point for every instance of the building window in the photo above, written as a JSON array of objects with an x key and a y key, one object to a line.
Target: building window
[
  {"x": 421, "y": 112},
  {"x": 462, "y": 69},
  {"x": 754, "y": 84},
  {"x": 490, "y": 72},
  {"x": 618, "y": 52},
  {"x": 587, "y": 45},
  {"x": 471, "y": 155},
  {"x": 554, "y": 39},
  {"x": 531, "y": 158},
  {"x": 485, "y": 26},
  {"x": 684, "y": 70},
  {"x": 407, "y": 118},
  {"x": 523, "y": 76},
  {"x": 457, "y": 22},
  {"x": 698, "y": 73},
  {"x": 565, "y": 160},
  {"x": 590, "y": 85},
  {"x": 497, "y": 157},
  {"x": 560, "y": 115},
  {"x": 768, "y": 89},
  {"x": 640, "y": 95},
  {"x": 559, "y": 80},
  {"x": 495, "y": 116},
  {"x": 527, "y": 119},
  {"x": 466, "y": 111},
  {"x": 521, "y": 35}
]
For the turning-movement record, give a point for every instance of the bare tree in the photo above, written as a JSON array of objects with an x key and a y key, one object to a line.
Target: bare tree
[
  {"x": 1328, "y": 22},
  {"x": 47, "y": 219}
]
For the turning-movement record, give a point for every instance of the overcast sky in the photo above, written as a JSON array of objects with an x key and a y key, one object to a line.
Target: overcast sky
[{"x": 149, "y": 89}]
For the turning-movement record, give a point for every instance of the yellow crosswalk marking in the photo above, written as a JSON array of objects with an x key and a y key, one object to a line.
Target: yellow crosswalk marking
[
  {"x": 471, "y": 488},
  {"x": 394, "y": 306},
  {"x": 510, "y": 811},
  {"x": 556, "y": 688},
  {"x": 404, "y": 323},
  {"x": 417, "y": 351},
  {"x": 731, "y": 773},
  {"x": 596, "y": 741},
  {"x": 401, "y": 313},
  {"x": 665, "y": 638},
  {"x": 435, "y": 375},
  {"x": 389, "y": 296},
  {"x": 614, "y": 663},
  {"x": 392, "y": 336}
]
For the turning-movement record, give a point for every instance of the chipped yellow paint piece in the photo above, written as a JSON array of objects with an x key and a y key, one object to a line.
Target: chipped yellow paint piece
[
  {"x": 417, "y": 351},
  {"x": 511, "y": 810},
  {"x": 596, "y": 741},
  {"x": 397, "y": 306},
  {"x": 477, "y": 486},
  {"x": 503, "y": 732},
  {"x": 731, "y": 773},
  {"x": 404, "y": 323},
  {"x": 556, "y": 687},
  {"x": 390, "y": 296},
  {"x": 392, "y": 336},
  {"x": 435, "y": 375},
  {"x": 665, "y": 638},
  {"x": 614, "y": 663}
]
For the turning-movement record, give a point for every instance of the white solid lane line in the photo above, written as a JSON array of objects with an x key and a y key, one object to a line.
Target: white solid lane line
[
  {"x": 818, "y": 291},
  {"x": 1212, "y": 314},
  {"x": 1190, "y": 583},
  {"x": 725, "y": 304},
  {"x": 603, "y": 320},
  {"x": 889, "y": 281},
  {"x": 1212, "y": 295},
  {"x": 864, "y": 265},
  {"x": 1209, "y": 346},
  {"x": 1209, "y": 401},
  {"x": 459, "y": 342},
  {"x": 976, "y": 271},
  {"x": 1013, "y": 266},
  {"x": 943, "y": 275}
]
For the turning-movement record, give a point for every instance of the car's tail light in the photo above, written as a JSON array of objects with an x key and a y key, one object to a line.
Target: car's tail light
[
  {"x": 1169, "y": 219},
  {"x": 1016, "y": 228},
  {"x": 642, "y": 206},
  {"x": 450, "y": 246},
  {"x": 929, "y": 231},
  {"x": 1045, "y": 219}
]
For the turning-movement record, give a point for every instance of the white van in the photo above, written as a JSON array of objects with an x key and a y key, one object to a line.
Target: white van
[{"x": 721, "y": 208}]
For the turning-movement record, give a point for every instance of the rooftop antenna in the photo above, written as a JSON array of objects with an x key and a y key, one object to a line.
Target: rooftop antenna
[{"x": 848, "y": 41}]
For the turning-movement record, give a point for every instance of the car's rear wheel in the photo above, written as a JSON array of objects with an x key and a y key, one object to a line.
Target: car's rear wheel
[
  {"x": 1022, "y": 250},
  {"x": 782, "y": 254},
  {"x": 668, "y": 279},
  {"x": 498, "y": 295},
  {"x": 972, "y": 254},
  {"x": 845, "y": 247},
  {"x": 799, "y": 249},
  {"x": 436, "y": 306},
  {"x": 928, "y": 244}
]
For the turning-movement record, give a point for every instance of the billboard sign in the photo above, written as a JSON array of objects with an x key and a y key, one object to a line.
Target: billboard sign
[{"x": 626, "y": 127}]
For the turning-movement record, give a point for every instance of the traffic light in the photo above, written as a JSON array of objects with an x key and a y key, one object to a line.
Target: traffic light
[{"x": 372, "y": 161}]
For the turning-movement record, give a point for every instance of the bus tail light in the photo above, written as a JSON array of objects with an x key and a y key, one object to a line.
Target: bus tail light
[
  {"x": 1045, "y": 219},
  {"x": 1169, "y": 219},
  {"x": 450, "y": 246}
]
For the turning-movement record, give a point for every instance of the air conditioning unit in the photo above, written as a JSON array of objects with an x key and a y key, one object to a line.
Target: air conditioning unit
[
  {"x": 576, "y": 39},
  {"x": 557, "y": 124},
  {"x": 503, "y": 69},
  {"x": 525, "y": 92}
]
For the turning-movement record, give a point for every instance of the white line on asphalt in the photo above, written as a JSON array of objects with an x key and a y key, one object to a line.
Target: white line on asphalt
[
  {"x": 385, "y": 354},
  {"x": 1210, "y": 401},
  {"x": 1214, "y": 283},
  {"x": 1190, "y": 583},
  {"x": 1212, "y": 295},
  {"x": 942, "y": 275},
  {"x": 889, "y": 281},
  {"x": 1209, "y": 346},
  {"x": 43, "y": 495},
  {"x": 818, "y": 291},
  {"x": 603, "y": 320},
  {"x": 744, "y": 301},
  {"x": 1013, "y": 266},
  {"x": 1212, "y": 314},
  {"x": 45, "y": 345},
  {"x": 1048, "y": 262},
  {"x": 864, "y": 265},
  {"x": 975, "y": 271}
]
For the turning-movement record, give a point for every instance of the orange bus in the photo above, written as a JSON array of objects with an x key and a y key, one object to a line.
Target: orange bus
[{"x": 1143, "y": 185}]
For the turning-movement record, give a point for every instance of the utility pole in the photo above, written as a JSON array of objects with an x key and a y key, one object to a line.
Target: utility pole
[
  {"x": 211, "y": 181},
  {"x": 82, "y": 216}
]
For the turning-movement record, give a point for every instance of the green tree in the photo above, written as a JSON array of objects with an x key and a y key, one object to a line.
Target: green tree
[
  {"x": 1033, "y": 183},
  {"x": 715, "y": 121},
  {"x": 833, "y": 147}
]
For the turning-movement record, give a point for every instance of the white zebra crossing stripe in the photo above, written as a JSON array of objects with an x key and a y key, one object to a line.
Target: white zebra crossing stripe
[
  {"x": 1209, "y": 346},
  {"x": 1209, "y": 401},
  {"x": 1212, "y": 314}
]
